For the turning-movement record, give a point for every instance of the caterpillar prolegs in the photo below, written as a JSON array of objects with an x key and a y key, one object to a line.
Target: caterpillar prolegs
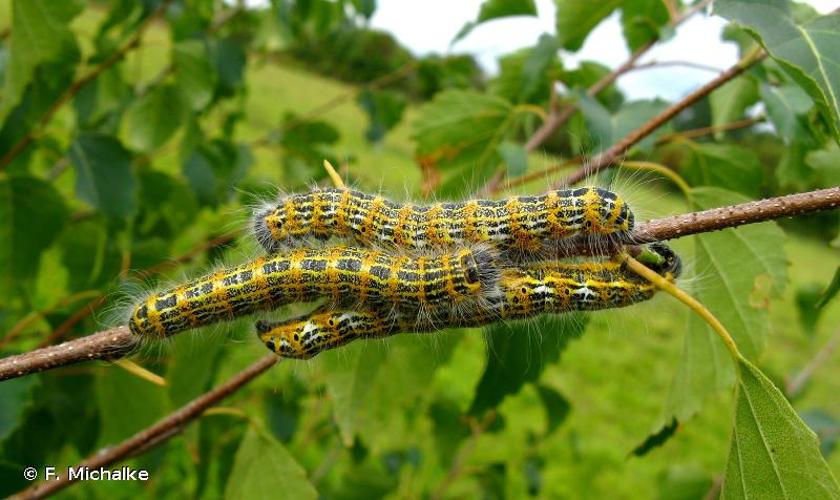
[
  {"x": 419, "y": 287},
  {"x": 516, "y": 226},
  {"x": 541, "y": 288}
]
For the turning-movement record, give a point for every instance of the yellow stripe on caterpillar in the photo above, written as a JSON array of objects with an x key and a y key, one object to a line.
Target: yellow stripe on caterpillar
[
  {"x": 545, "y": 288},
  {"x": 517, "y": 225},
  {"x": 423, "y": 287}
]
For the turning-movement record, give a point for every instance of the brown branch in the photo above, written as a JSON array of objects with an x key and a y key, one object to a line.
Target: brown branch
[
  {"x": 117, "y": 342},
  {"x": 79, "y": 84},
  {"x": 158, "y": 433},
  {"x": 108, "y": 344},
  {"x": 751, "y": 212},
  {"x": 614, "y": 152}
]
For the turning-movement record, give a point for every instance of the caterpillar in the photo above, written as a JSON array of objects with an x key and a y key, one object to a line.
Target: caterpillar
[
  {"x": 516, "y": 226},
  {"x": 548, "y": 287},
  {"x": 419, "y": 287}
]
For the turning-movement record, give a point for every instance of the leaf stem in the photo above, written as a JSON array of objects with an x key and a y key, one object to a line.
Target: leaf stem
[{"x": 693, "y": 304}]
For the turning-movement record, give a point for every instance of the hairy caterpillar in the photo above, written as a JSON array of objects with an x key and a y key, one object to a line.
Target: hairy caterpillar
[
  {"x": 418, "y": 287},
  {"x": 548, "y": 287},
  {"x": 518, "y": 225}
]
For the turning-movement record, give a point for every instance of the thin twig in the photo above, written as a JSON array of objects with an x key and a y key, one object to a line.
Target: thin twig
[
  {"x": 685, "y": 64},
  {"x": 614, "y": 152},
  {"x": 700, "y": 132},
  {"x": 116, "y": 342},
  {"x": 79, "y": 84},
  {"x": 795, "y": 385},
  {"x": 458, "y": 463},
  {"x": 159, "y": 432}
]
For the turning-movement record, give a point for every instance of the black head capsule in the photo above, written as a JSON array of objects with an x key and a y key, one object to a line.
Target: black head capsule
[{"x": 671, "y": 262}]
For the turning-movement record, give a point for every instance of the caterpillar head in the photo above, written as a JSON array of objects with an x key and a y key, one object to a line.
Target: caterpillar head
[
  {"x": 669, "y": 263},
  {"x": 481, "y": 269},
  {"x": 613, "y": 212},
  {"x": 269, "y": 227},
  {"x": 305, "y": 337}
]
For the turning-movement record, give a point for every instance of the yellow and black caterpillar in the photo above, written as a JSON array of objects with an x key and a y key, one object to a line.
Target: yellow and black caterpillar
[
  {"x": 420, "y": 287},
  {"x": 542, "y": 288},
  {"x": 516, "y": 226}
]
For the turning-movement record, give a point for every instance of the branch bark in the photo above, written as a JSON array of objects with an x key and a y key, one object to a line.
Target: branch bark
[
  {"x": 158, "y": 433},
  {"x": 119, "y": 342},
  {"x": 79, "y": 84},
  {"x": 614, "y": 152}
]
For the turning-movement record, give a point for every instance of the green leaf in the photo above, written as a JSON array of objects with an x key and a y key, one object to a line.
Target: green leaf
[
  {"x": 384, "y": 109},
  {"x": 704, "y": 368},
  {"x": 826, "y": 164},
  {"x": 105, "y": 95},
  {"x": 32, "y": 214},
  {"x": 194, "y": 72},
  {"x": 730, "y": 101},
  {"x": 586, "y": 75},
  {"x": 576, "y": 18},
  {"x": 827, "y": 428},
  {"x": 104, "y": 177},
  {"x": 41, "y": 34},
  {"x": 526, "y": 75},
  {"x": 213, "y": 169},
  {"x": 831, "y": 290},
  {"x": 461, "y": 130},
  {"x": 495, "y": 9},
  {"x": 229, "y": 58},
  {"x": 15, "y": 396},
  {"x": 642, "y": 21},
  {"x": 518, "y": 352},
  {"x": 729, "y": 166},
  {"x": 557, "y": 407},
  {"x": 154, "y": 118},
  {"x": 127, "y": 404},
  {"x": 371, "y": 385},
  {"x": 742, "y": 269},
  {"x": 786, "y": 106},
  {"x": 806, "y": 299},
  {"x": 192, "y": 360},
  {"x": 534, "y": 72},
  {"x": 773, "y": 453},
  {"x": 263, "y": 468},
  {"x": 515, "y": 157},
  {"x": 606, "y": 128},
  {"x": 807, "y": 52},
  {"x": 684, "y": 482}
]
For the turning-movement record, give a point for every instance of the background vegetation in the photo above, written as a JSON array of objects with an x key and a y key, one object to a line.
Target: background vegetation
[{"x": 135, "y": 135}]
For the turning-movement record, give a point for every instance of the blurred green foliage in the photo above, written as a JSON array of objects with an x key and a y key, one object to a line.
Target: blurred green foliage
[{"x": 136, "y": 136}]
